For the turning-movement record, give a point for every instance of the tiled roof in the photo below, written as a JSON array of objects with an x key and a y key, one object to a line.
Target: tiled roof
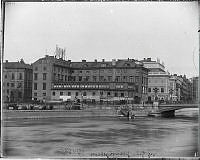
[{"x": 16, "y": 65}]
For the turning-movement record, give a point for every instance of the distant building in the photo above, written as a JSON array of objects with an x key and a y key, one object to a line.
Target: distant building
[
  {"x": 55, "y": 78},
  {"x": 195, "y": 89},
  {"x": 158, "y": 80},
  {"x": 17, "y": 81}
]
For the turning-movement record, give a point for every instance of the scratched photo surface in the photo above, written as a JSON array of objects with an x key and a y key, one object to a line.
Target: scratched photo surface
[{"x": 100, "y": 79}]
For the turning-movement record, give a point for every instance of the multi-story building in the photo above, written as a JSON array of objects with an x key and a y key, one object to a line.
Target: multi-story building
[
  {"x": 17, "y": 81},
  {"x": 46, "y": 71},
  {"x": 105, "y": 81},
  {"x": 195, "y": 89},
  {"x": 55, "y": 79},
  {"x": 158, "y": 80}
]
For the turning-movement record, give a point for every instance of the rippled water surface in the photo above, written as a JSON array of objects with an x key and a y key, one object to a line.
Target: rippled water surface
[{"x": 86, "y": 137}]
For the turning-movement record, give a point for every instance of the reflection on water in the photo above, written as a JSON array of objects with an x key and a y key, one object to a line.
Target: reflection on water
[{"x": 86, "y": 137}]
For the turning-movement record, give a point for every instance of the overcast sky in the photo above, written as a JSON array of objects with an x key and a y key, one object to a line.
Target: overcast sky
[{"x": 105, "y": 30}]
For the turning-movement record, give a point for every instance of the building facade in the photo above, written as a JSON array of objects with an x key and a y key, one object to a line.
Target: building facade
[
  {"x": 195, "y": 89},
  {"x": 158, "y": 80},
  {"x": 92, "y": 81},
  {"x": 17, "y": 82}
]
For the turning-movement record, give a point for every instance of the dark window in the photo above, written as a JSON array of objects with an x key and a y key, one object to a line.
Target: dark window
[
  {"x": 122, "y": 94},
  {"x": 76, "y": 93},
  {"x": 61, "y": 93},
  {"x": 137, "y": 79},
  {"x": 35, "y": 94},
  {"x": 13, "y": 76},
  {"x": 12, "y": 85},
  {"x": 80, "y": 71},
  {"x": 162, "y": 90},
  {"x": 6, "y": 76},
  {"x": 35, "y": 86},
  {"x": 69, "y": 93},
  {"x": 20, "y": 94},
  {"x": 44, "y": 68},
  {"x": 84, "y": 93},
  {"x": 35, "y": 76},
  {"x": 149, "y": 89},
  {"x": 93, "y": 93},
  {"x": 8, "y": 84},
  {"x": 44, "y": 94},
  {"x": 109, "y": 78},
  {"x": 44, "y": 86},
  {"x": 94, "y": 78},
  {"x": 19, "y": 85},
  {"x": 20, "y": 76},
  {"x": 118, "y": 78},
  {"x": 87, "y": 78},
  {"x": 65, "y": 78},
  {"x": 7, "y": 91},
  {"x": 116, "y": 94},
  {"x": 108, "y": 93},
  {"x": 53, "y": 93},
  {"x": 101, "y": 93},
  {"x": 79, "y": 78},
  {"x": 44, "y": 76}
]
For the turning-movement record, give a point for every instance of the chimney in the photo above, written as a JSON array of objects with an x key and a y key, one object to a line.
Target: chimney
[
  {"x": 6, "y": 61},
  {"x": 103, "y": 60},
  {"x": 46, "y": 56},
  {"x": 69, "y": 60},
  {"x": 95, "y": 60},
  {"x": 83, "y": 60},
  {"x": 113, "y": 62},
  {"x": 149, "y": 59}
]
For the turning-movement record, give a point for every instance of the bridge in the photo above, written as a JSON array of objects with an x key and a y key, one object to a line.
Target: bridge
[
  {"x": 163, "y": 110},
  {"x": 168, "y": 110}
]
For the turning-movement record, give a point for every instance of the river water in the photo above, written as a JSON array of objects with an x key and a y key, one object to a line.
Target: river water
[{"x": 101, "y": 137}]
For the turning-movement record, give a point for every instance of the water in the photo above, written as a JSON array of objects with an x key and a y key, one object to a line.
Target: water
[{"x": 100, "y": 137}]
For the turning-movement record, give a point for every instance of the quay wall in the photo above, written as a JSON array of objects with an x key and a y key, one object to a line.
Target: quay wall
[{"x": 37, "y": 114}]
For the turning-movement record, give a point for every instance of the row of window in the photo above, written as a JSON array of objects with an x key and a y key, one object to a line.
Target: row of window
[
  {"x": 135, "y": 79},
  {"x": 35, "y": 94},
  {"x": 93, "y": 94},
  {"x": 44, "y": 86},
  {"x": 156, "y": 90},
  {"x": 19, "y": 85},
  {"x": 44, "y": 68},
  {"x": 19, "y": 76},
  {"x": 44, "y": 76}
]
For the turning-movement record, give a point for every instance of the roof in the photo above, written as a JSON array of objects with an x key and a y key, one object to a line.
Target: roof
[{"x": 17, "y": 65}]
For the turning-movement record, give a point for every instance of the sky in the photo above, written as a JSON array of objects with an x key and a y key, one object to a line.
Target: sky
[{"x": 105, "y": 30}]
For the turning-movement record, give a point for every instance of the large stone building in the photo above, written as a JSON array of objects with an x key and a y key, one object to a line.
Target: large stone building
[
  {"x": 55, "y": 79},
  {"x": 17, "y": 82},
  {"x": 195, "y": 89},
  {"x": 158, "y": 80}
]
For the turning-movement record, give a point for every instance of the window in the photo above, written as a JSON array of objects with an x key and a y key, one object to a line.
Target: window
[
  {"x": 61, "y": 93},
  {"x": 87, "y": 71},
  {"x": 35, "y": 86},
  {"x": 79, "y": 78},
  {"x": 44, "y": 76},
  {"x": 109, "y": 78},
  {"x": 149, "y": 89},
  {"x": 94, "y": 78},
  {"x": 87, "y": 78},
  {"x": 8, "y": 84},
  {"x": 19, "y": 85},
  {"x": 93, "y": 93},
  {"x": 69, "y": 93},
  {"x": 44, "y": 86},
  {"x": 108, "y": 93},
  {"x": 122, "y": 94},
  {"x": 131, "y": 79},
  {"x": 101, "y": 78},
  {"x": 116, "y": 94},
  {"x": 80, "y": 71},
  {"x": 7, "y": 91},
  {"x": 101, "y": 93},
  {"x": 84, "y": 94},
  {"x": 76, "y": 93},
  {"x": 65, "y": 78},
  {"x": 20, "y": 94},
  {"x": 44, "y": 94},
  {"x": 6, "y": 76},
  {"x": 13, "y": 76},
  {"x": 136, "y": 89},
  {"x": 125, "y": 78},
  {"x": 12, "y": 85},
  {"x": 137, "y": 78},
  {"x": 53, "y": 93},
  {"x": 36, "y": 68},
  {"x": 118, "y": 78},
  {"x": 35, "y": 76},
  {"x": 162, "y": 90},
  {"x": 20, "y": 76},
  {"x": 62, "y": 77},
  {"x": 35, "y": 94}
]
